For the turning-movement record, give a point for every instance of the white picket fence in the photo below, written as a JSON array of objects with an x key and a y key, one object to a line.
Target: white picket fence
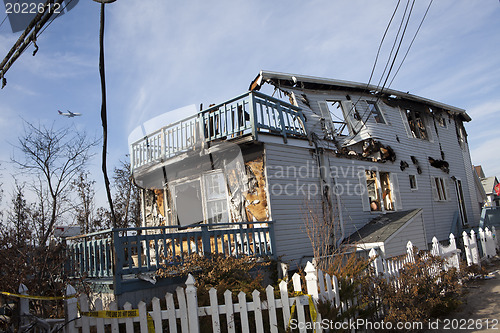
[
  {"x": 255, "y": 312},
  {"x": 488, "y": 242}
]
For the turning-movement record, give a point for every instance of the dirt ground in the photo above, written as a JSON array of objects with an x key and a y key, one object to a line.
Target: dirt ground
[{"x": 480, "y": 311}]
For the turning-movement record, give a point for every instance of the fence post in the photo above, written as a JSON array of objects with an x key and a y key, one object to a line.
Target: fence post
[
  {"x": 495, "y": 239},
  {"x": 454, "y": 258},
  {"x": 192, "y": 305},
  {"x": 468, "y": 252},
  {"x": 377, "y": 262},
  {"x": 311, "y": 280},
  {"x": 71, "y": 305},
  {"x": 205, "y": 240},
  {"x": 24, "y": 305},
  {"x": 474, "y": 249},
  {"x": 436, "y": 249},
  {"x": 490, "y": 242},
  {"x": 482, "y": 239},
  {"x": 409, "y": 252}
]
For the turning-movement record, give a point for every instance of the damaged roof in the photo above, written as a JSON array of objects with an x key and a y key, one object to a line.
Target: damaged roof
[
  {"x": 382, "y": 227},
  {"x": 318, "y": 83}
]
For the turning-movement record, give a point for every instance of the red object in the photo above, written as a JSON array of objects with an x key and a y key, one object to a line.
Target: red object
[{"x": 497, "y": 189}]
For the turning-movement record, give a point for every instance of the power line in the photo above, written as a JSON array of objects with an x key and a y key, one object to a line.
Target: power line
[
  {"x": 353, "y": 108},
  {"x": 27, "y": 38},
  {"x": 409, "y": 47}
]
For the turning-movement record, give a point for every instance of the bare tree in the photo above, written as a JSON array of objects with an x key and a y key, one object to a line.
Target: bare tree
[
  {"x": 18, "y": 215},
  {"x": 84, "y": 206},
  {"x": 56, "y": 156},
  {"x": 127, "y": 197}
]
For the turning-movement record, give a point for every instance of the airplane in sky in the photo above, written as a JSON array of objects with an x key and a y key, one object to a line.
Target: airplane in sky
[{"x": 69, "y": 114}]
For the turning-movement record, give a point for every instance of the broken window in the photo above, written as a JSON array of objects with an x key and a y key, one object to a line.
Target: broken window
[
  {"x": 198, "y": 201},
  {"x": 413, "y": 182},
  {"x": 341, "y": 117},
  {"x": 461, "y": 134},
  {"x": 416, "y": 124},
  {"x": 440, "y": 118},
  {"x": 382, "y": 191},
  {"x": 375, "y": 112},
  {"x": 439, "y": 189}
]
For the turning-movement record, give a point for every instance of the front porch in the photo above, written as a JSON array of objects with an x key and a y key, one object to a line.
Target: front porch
[{"x": 119, "y": 258}]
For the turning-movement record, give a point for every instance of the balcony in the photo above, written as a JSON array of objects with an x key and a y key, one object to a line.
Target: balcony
[
  {"x": 252, "y": 113},
  {"x": 120, "y": 254}
]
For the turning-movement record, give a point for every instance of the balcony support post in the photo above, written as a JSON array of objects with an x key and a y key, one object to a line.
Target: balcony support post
[{"x": 253, "y": 116}]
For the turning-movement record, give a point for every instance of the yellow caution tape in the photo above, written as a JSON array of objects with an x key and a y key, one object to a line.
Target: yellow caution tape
[
  {"x": 312, "y": 308},
  {"x": 110, "y": 314},
  {"x": 43, "y": 298}
]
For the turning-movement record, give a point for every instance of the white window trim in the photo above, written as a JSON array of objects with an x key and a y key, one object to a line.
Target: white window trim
[
  {"x": 443, "y": 187},
  {"x": 396, "y": 194},
  {"x": 201, "y": 179}
]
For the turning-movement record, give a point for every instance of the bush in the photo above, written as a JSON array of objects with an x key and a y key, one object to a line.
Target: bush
[{"x": 421, "y": 291}]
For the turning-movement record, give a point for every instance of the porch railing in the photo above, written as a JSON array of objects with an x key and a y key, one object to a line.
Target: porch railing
[
  {"x": 118, "y": 252},
  {"x": 250, "y": 113}
]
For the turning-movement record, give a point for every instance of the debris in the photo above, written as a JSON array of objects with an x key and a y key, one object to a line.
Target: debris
[
  {"x": 403, "y": 165},
  {"x": 440, "y": 164}
]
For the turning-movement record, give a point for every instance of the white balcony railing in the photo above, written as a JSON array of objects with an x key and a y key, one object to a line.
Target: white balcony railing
[{"x": 250, "y": 113}]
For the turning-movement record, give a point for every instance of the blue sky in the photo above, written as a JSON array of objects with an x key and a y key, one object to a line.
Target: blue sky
[{"x": 163, "y": 55}]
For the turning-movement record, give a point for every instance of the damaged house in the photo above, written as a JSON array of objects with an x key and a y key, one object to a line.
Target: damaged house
[
  {"x": 350, "y": 152},
  {"x": 253, "y": 174}
]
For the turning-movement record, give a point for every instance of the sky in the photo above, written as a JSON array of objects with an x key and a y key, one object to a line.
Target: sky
[{"x": 163, "y": 55}]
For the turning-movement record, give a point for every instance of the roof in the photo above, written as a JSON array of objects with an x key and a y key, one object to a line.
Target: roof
[
  {"x": 382, "y": 227},
  {"x": 296, "y": 79},
  {"x": 489, "y": 183}
]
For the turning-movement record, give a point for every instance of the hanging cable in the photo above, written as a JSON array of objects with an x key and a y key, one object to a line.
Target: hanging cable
[{"x": 104, "y": 118}]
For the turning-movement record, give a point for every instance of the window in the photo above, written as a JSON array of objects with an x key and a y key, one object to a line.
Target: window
[
  {"x": 203, "y": 199},
  {"x": 416, "y": 124},
  {"x": 439, "y": 189},
  {"x": 215, "y": 196},
  {"x": 441, "y": 120},
  {"x": 461, "y": 134},
  {"x": 413, "y": 182},
  {"x": 375, "y": 112},
  {"x": 382, "y": 191},
  {"x": 341, "y": 117}
]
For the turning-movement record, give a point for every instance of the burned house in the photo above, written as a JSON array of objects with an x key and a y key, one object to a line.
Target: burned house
[{"x": 341, "y": 152}]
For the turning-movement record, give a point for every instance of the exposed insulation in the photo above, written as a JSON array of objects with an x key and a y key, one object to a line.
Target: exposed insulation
[
  {"x": 160, "y": 202},
  {"x": 256, "y": 198}
]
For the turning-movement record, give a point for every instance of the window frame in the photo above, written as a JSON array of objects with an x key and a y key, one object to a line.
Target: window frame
[
  {"x": 393, "y": 186},
  {"x": 440, "y": 189},
  {"x": 351, "y": 120},
  {"x": 205, "y": 200},
  {"x": 413, "y": 188},
  {"x": 378, "y": 110},
  {"x": 412, "y": 118}
]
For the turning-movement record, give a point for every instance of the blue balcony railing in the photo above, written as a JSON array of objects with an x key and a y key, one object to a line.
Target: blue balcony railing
[
  {"x": 250, "y": 113},
  {"x": 119, "y": 252}
]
